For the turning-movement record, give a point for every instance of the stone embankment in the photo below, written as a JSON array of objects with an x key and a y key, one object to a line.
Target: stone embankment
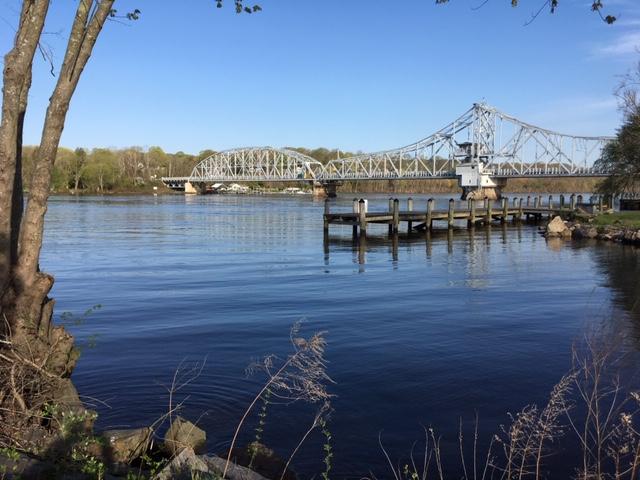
[{"x": 558, "y": 228}]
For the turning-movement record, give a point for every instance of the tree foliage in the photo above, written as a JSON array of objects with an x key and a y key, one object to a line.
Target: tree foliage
[{"x": 621, "y": 157}]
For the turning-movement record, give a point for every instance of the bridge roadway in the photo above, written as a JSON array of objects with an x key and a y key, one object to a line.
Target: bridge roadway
[{"x": 359, "y": 218}]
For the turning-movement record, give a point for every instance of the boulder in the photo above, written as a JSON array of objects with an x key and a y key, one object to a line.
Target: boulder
[
  {"x": 584, "y": 232},
  {"x": 183, "y": 433},
  {"x": 234, "y": 472},
  {"x": 591, "y": 232},
  {"x": 557, "y": 227},
  {"x": 187, "y": 466},
  {"x": 262, "y": 460},
  {"x": 126, "y": 445},
  {"x": 184, "y": 466},
  {"x": 70, "y": 412}
]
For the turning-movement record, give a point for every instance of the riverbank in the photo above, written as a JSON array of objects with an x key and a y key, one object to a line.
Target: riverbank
[{"x": 620, "y": 227}]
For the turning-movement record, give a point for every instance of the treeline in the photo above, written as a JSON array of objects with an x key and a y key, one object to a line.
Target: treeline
[{"x": 103, "y": 170}]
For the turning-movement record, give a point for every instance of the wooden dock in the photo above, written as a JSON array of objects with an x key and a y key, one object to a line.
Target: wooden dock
[{"x": 516, "y": 209}]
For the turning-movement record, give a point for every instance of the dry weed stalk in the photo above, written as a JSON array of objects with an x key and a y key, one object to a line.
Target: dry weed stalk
[
  {"x": 301, "y": 376},
  {"x": 592, "y": 402},
  {"x": 607, "y": 429},
  {"x": 524, "y": 440},
  {"x": 523, "y": 444},
  {"x": 320, "y": 417}
]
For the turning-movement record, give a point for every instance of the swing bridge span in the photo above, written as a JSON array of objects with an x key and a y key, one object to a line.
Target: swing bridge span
[{"x": 482, "y": 148}]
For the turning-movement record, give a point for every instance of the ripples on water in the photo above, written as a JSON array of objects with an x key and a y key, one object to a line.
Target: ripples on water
[{"x": 471, "y": 321}]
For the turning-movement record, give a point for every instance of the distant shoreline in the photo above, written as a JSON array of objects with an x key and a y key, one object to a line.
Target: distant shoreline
[{"x": 534, "y": 185}]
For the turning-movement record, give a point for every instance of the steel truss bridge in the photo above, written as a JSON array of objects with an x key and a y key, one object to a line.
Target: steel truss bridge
[{"x": 505, "y": 146}]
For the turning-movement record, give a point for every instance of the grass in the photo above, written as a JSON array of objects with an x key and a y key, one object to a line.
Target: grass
[{"x": 629, "y": 219}]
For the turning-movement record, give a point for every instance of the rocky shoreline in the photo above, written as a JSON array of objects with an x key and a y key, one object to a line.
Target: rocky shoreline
[
  {"x": 70, "y": 449},
  {"x": 577, "y": 230}
]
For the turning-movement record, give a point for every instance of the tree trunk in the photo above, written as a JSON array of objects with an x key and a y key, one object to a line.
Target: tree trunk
[
  {"x": 84, "y": 33},
  {"x": 16, "y": 83},
  {"x": 45, "y": 354}
]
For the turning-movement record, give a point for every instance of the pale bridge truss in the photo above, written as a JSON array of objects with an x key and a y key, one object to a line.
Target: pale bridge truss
[
  {"x": 252, "y": 164},
  {"x": 506, "y": 146}
]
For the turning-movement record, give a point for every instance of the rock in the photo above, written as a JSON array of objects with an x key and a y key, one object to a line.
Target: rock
[
  {"x": 70, "y": 412},
  {"x": 187, "y": 465},
  {"x": 183, "y": 467},
  {"x": 556, "y": 227},
  {"x": 127, "y": 445},
  {"x": 262, "y": 459},
  {"x": 234, "y": 472},
  {"x": 183, "y": 433},
  {"x": 585, "y": 232},
  {"x": 66, "y": 394}
]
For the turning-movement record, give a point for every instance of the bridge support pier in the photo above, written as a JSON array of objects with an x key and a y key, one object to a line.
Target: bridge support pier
[
  {"x": 477, "y": 182},
  {"x": 189, "y": 189},
  {"x": 492, "y": 193},
  {"x": 325, "y": 189}
]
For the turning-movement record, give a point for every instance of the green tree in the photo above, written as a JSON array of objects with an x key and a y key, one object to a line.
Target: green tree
[
  {"x": 77, "y": 166},
  {"x": 158, "y": 163},
  {"x": 101, "y": 171},
  {"x": 62, "y": 170},
  {"x": 621, "y": 157}
]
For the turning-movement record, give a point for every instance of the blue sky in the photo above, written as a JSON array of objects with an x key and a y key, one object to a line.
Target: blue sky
[{"x": 351, "y": 74}]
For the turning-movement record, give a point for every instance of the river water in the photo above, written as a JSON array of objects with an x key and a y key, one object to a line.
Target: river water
[{"x": 421, "y": 334}]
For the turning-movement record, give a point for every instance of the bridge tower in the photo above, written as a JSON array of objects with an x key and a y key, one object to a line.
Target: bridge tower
[
  {"x": 474, "y": 177},
  {"x": 474, "y": 156}
]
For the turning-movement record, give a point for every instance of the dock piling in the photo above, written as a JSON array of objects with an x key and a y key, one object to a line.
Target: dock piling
[
  {"x": 356, "y": 209},
  {"x": 362, "y": 217},
  {"x": 451, "y": 216},
  {"x": 487, "y": 211},
  {"x": 429, "y": 219},
  {"x": 396, "y": 215},
  {"x": 326, "y": 217},
  {"x": 520, "y": 210},
  {"x": 410, "y": 209},
  {"x": 505, "y": 210},
  {"x": 472, "y": 212}
]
